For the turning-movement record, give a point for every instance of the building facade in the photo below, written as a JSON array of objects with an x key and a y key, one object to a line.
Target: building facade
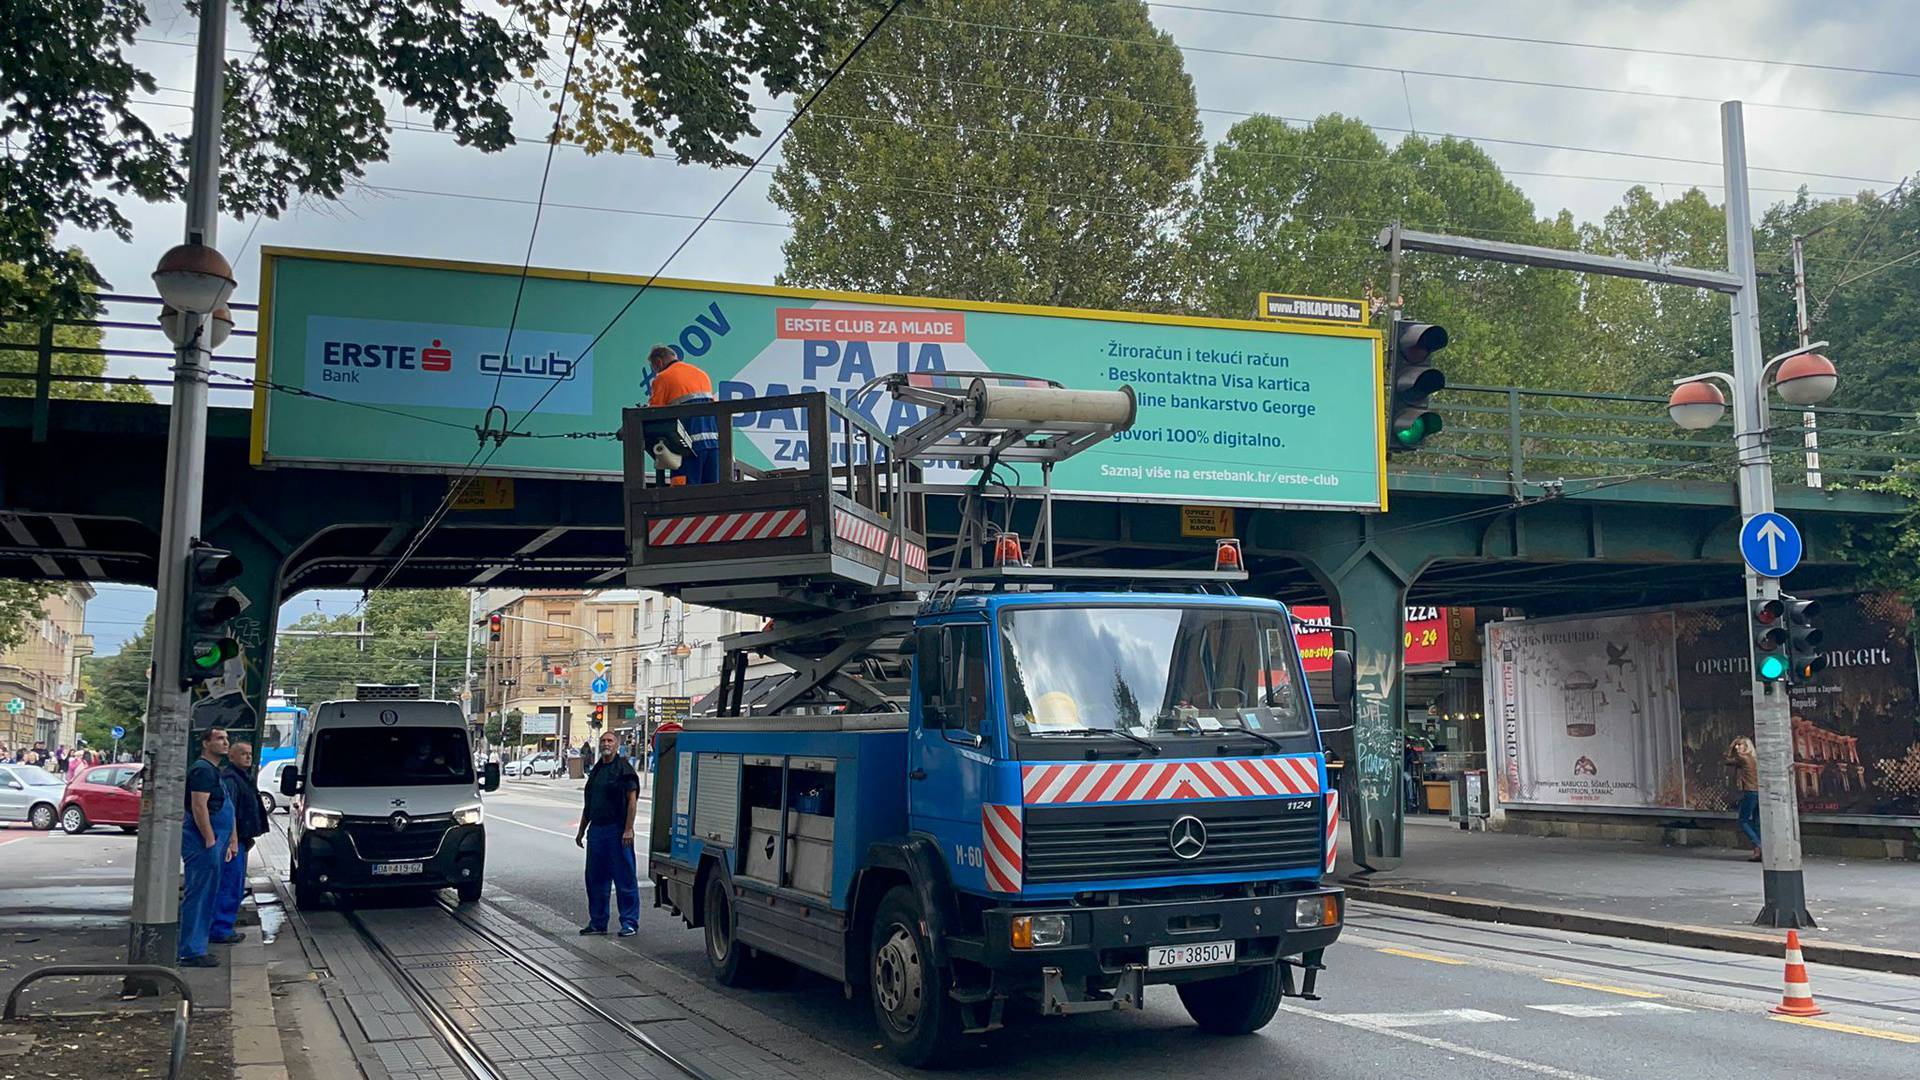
[
  {"x": 40, "y": 695},
  {"x": 555, "y": 643}
]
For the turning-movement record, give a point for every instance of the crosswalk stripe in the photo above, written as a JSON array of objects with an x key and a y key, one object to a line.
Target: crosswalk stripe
[
  {"x": 1618, "y": 1008},
  {"x": 1536, "y": 1067},
  {"x": 1424, "y": 1019}
]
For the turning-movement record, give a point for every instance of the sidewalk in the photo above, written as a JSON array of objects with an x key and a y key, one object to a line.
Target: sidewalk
[{"x": 1867, "y": 909}]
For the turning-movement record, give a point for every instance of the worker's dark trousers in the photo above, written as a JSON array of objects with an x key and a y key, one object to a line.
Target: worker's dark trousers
[{"x": 610, "y": 863}]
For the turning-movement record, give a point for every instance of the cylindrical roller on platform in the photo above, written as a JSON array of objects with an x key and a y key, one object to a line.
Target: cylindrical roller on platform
[{"x": 1044, "y": 405}]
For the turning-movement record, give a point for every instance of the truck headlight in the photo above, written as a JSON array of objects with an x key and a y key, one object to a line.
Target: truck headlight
[
  {"x": 1312, "y": 911},
  {"x": 323, "y": 819},
  {"x": 469, "y": 815},
  {"x": 1039, "y": 931}
]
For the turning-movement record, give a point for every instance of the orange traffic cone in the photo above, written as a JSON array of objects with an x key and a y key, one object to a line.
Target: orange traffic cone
[{"x": 1797, "y": 998}]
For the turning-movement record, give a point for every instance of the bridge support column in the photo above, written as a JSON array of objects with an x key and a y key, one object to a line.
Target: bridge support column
[
  {"x": 1369, "y": 593},
  {"x": 263, "y": 554}
]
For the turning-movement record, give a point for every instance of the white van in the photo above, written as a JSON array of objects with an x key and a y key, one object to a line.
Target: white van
[{"x": 385, "y": 795}]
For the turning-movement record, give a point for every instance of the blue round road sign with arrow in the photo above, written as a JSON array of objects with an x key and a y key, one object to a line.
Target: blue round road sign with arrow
[
  {"x": 600, "y": 685},
  {"x": 1770, "y": 544},
  {"x": 119, "y": 732}
]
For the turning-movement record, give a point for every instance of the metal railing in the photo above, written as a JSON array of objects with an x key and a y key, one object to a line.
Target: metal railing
[
  {"x": 182, "y": 1013},
  {"x": 136, "y": 350},
  {"x": 1519, "y": 434}
]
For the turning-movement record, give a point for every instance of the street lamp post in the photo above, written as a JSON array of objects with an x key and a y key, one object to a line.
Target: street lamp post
[{"x": 1803, "y": 378}]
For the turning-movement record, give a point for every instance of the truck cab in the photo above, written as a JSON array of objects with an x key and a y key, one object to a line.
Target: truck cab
[{"x": 386, "y": 795}]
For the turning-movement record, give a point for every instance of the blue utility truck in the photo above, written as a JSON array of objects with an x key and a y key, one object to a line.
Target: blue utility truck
[{"x": 1000, "y": 785}]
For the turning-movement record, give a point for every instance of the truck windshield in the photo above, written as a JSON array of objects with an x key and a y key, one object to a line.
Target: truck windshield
[
  {"x": 390, "y": 757},
  {"x": 1150, "y": 671}
]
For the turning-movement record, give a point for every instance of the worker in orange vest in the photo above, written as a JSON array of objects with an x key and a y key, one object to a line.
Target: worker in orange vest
[{"x": 676, "y": 382}]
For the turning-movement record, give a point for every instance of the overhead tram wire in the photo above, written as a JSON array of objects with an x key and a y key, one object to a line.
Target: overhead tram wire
[
  {"x": 1397, "y": 70},
  {"x": 446, "y": 501},
  {"x": 1515, "y": 39},
  {"x": 476, "y": 463}
]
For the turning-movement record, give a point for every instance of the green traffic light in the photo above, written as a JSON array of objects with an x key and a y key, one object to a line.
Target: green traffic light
[{"x": 1773, "y": 667}]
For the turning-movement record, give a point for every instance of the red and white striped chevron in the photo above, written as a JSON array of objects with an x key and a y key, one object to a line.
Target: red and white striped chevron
[
  {"x": 1146, "y": 781},
  {"x": 876, "y": 538},
  {"x": 1000, "y": 835},
  {"x": 726, "y": 528},
  {"x": 1333, "y": 828}
]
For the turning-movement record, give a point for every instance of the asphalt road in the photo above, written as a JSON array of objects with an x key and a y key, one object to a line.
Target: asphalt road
[{"x": 1407, "y": 994}]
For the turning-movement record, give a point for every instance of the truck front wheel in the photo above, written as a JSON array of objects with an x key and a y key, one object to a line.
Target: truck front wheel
[
  {"x": 919, "y": 1021},
  {"x": 1235, "y": 1005}
]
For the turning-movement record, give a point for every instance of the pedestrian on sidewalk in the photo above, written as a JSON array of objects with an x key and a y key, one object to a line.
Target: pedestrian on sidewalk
[
  {"x": 248, "y": 822},
  {"x": 606, "y": 831},
  {"x": 206, "y": 843},
  {"x": 1740, "y": 758}
]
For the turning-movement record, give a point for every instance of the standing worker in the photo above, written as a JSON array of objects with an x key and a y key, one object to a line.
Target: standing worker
[
  {"x": 676, "y": 382},
  {"x": 1746, "y": 778},
  {"x": 206, "y": 843},
  {"x": 606, "y": 831},
  {"x": 248, "y": 822}
]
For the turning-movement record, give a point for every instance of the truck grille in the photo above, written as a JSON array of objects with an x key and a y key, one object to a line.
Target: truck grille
[
  {"x": 375, "y": 841},
  {"x": 1105, "y": 843}
]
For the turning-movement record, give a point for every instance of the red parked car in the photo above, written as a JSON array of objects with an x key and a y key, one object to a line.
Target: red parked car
[{"x": 102, "y": 795}]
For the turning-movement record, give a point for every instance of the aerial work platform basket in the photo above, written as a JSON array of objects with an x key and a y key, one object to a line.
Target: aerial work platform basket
[{"x": 834, "y": 549}]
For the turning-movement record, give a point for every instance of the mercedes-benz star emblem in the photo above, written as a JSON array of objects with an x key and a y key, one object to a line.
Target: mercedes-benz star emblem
[
  {"x": 1187, "y": 837},
  {"x": 398, "y": 821}
]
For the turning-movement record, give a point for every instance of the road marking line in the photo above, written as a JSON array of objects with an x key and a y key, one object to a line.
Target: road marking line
[
  {"x": 1442, "y": 1044},
  {"x": 1423, "y": 1019},
  {"x": 1850, "y": 1029},
  {"x": 535, "y": 828},
  {"x": 1588, "y": 1012},
  {"x": 1605, "y": 989},
  {"x": 1417, "y": 955}
]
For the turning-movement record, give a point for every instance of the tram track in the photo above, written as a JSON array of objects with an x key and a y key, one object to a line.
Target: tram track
[{"x": 467, "y": 1053}]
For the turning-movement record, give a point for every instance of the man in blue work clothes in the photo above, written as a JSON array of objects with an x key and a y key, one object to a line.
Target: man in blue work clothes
[
  {"x": 606, "y": 831},
  {"x": 676, "y": 382},
  {"x": 206, "y": 843},
  {"x": 248, "y": 822}
]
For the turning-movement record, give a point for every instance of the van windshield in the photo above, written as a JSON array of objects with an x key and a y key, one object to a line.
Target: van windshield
[{"x": 390, "y": 757}]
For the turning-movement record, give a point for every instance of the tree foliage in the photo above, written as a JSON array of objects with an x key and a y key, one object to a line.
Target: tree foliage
[
  {"x": 956, "y": 159},
  {"x": 309, "y": 106},
  {"x": 116, "y": 688},
  {"x": 397, "y": 649},
  {"x": 22, "y": 603}
]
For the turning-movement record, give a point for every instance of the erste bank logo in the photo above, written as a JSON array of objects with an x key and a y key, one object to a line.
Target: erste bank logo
[{"x": 402, "y": 363}]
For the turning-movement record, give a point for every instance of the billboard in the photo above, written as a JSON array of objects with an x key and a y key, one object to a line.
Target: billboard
[
  {"x": 1856, "y": 731},
  {"x": 1586, "y": 712},
  {"x": 382, "y": 362}
]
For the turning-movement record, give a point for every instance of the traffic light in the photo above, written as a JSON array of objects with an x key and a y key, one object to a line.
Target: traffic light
[
  {"x": 493, "y": 626},
  {"x": 1769, "y": 640},
  {"x": 1413, "y": 379},
  {"x": 599, "y": 716},
  {"x": 206, "y": 641},
  {"x": 1805, "y": 658}
]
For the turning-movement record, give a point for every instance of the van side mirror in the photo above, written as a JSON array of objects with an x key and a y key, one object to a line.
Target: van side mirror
[
  {"x": 490, "y": 777},
  {"x": 1343, "y": 680},
  {"x": 290, "y": 781}
]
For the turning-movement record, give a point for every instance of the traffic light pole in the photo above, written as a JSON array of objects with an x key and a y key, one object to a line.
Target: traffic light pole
[
  {"x": 1784, "y": 884},
  {"x": 154, "y": 935},
  {"x": 1785, "y": 889}
]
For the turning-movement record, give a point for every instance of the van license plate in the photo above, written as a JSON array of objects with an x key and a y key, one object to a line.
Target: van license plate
[
  {"x": 1203, "y": 954},
  {"x": 387, "y": 869}
]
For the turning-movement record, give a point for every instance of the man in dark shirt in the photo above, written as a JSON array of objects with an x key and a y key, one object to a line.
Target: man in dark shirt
[
  {"x": 206, "y": 843},
  {"x": 606, "y": 831},
  {"x": 236, "y": 776}
]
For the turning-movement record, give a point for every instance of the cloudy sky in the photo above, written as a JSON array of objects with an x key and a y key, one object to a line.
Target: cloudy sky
[{"x": 625, "y": 213}]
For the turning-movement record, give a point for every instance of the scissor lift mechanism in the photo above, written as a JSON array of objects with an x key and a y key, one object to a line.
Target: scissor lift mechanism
[{"x": 834, "y": 552}]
